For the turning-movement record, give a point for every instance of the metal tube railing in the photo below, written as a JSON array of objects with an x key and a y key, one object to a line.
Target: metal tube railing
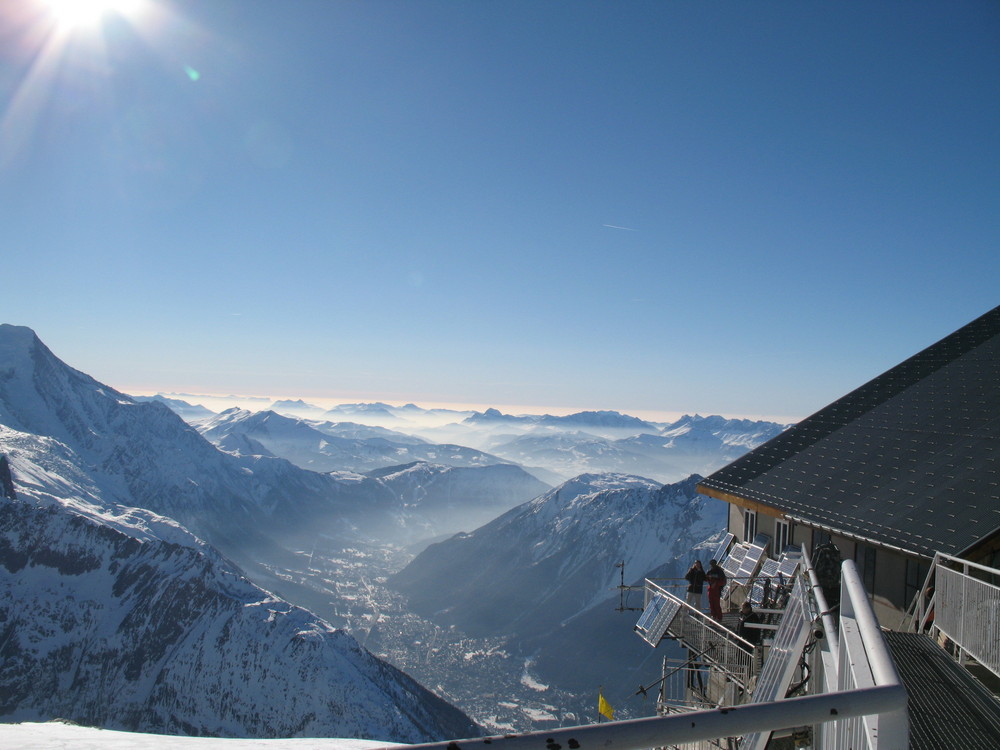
[
  {"x": 865, "y": 663},
  {"x": 695, "y": 726},
  {"x": 714, "y": 642}
]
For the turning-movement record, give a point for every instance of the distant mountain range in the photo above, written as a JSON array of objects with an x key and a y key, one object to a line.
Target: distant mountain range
[
  {"x": 330, "y": 446},
  {"x": 668, "y": 453},
  {"x": 113, "y": 612},
  {"x": 188, "y": 412},
  {"x": 552, "y": 448}
]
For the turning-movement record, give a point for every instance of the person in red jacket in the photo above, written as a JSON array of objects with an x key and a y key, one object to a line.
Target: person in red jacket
[{"x": 716, "y": 578}]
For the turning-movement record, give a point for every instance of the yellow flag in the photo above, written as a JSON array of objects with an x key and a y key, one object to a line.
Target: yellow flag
[{"x": 604, "y": 708}]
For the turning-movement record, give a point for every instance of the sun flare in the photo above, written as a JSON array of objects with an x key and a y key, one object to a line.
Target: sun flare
[{"x": 75, "y": 13}]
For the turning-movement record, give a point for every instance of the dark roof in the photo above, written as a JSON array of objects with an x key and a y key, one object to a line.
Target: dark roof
[{"x": 909, "y": 459}]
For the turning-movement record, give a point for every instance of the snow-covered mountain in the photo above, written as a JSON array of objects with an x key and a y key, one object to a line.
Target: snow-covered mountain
[
  {"x": 545, "y": 573},
  {"x": 425, "y": 490},
  {"x": 112, "y": 610},
  {"x": 690, "y": 445},
  {"x": 437, "y": 500},
  {"x": 297, "y": 408},
  {"x": 328, "y": 446},
  {"x": 188, "y": 412},
  {"x": 607, "y": 423},
  {"x": 144, "y": 455},
  {"x": 116, "y": 617},
  {"x": 550, "y": 559}
]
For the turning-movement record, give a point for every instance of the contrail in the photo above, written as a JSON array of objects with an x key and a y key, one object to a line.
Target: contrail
[{"x": 612, "y": 226}]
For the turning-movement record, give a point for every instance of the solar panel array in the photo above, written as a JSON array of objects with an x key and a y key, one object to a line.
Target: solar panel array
[{"x": 656, "y": 618}]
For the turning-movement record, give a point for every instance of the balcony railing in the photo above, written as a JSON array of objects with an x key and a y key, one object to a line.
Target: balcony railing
[
  {"x": 708, "y": 641},
  {"x": 863, "y": 662},
  {"x": 963, "y": 606}
]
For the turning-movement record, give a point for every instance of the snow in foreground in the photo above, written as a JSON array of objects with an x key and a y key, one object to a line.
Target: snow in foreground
[{"x": 58, "y": 736}]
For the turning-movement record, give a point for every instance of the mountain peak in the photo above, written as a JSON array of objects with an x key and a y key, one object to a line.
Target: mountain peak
[{"x": 17, "y": 343}]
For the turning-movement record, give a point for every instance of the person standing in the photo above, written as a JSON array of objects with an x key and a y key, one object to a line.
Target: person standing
[
  {"x": 716, "y": 578},
  {"x": 696, "y": 581}
]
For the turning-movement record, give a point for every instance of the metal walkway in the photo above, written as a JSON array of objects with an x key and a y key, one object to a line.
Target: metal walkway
[{"x": 948, "y": 708}]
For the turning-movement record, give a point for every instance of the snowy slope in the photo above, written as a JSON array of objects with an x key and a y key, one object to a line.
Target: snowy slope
[
  {"x": 58, "y": 735},
  {"x": 544, "y": 575},
  {"x": 549, "y": 560}
]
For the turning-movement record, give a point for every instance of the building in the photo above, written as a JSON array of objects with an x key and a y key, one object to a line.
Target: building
[
  {"x": 901, "y": 477},
  {"x": 906, "y": 466}
]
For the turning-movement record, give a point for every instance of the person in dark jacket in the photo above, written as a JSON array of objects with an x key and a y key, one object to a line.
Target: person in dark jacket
[
  {"x": 696, "y": 581},
  {"x": 747, "y": 615},
  {"x": 716, "y": 578}
]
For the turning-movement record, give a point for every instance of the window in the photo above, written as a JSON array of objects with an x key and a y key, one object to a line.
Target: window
[
  {"x": 864, "y": 558},
  {"x": 782, "y": 536},
  {"x": 749, "y": 525}
]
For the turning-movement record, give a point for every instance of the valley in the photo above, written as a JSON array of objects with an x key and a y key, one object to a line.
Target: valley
[{"x": 486, "y": 677}]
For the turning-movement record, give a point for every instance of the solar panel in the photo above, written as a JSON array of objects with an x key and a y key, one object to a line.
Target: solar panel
[
  {"x": 656, "y": 618},
  {"x": 749, "y": 565},
  {"x": 761, "y": 540},
  {"x": 650, "y": 612},
  {"x": 719, "y": 553},
  {"x": 762, "y": 583},
  {"x": 776, "y": 674},
  {"x": 732, "y": 563},
  {"x": 789, "y": 563}
]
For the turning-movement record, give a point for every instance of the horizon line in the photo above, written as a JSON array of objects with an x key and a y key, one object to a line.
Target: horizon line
[{"x": 254, "y": 401}]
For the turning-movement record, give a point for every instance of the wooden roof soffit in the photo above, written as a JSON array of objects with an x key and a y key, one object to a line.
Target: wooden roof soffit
[{"x": 743, "y": 502}]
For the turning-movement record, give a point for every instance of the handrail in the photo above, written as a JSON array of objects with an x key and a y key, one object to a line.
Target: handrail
[
  {"x": 702, "y": 619},
  {"x": 693, "y": 726},
  {"x": 880, "y": 660},
  {"x": 914, "y": 619}
]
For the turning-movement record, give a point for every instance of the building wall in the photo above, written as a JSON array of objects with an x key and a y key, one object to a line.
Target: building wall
[
  {"x": 736, "y": 521},
  {"x": 885, "y": 571}
]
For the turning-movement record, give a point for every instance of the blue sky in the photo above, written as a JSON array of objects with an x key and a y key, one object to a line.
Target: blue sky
[{"x": 728, "y": 207}]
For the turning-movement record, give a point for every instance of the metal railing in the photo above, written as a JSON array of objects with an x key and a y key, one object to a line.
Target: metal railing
[
  {"x": 866, "y": 710},
  {"x": 863, "y": 663},
  {"x": 710, "y": 640},
  {"x": 964, "y": 606},
  {"x": 695, "y": 726}
]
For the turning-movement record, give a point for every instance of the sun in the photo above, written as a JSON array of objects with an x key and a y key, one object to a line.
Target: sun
[{"x": 76, "y": 13}]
